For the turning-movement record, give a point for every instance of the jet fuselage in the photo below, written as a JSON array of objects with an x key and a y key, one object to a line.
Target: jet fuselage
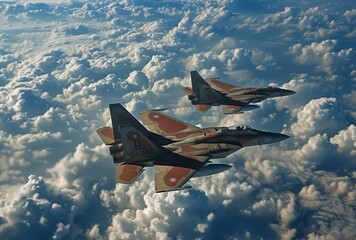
[
  {"x": 242, "y": 136},
  {"x": 255, "y": 95},
  {"x": 211, "y": 142},
  {"x": 232, "y": 99},
  {"x": 177, "y": 150}
]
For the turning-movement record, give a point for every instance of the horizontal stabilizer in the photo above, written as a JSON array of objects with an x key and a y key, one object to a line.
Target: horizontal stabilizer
[
  {"x": 106, "y": 134},
  {"x": 187, "y": 90},
  {"x": 230, "y": 109},
  {"x": 202, "y": 107},
  {"x": 127, "y": 173}
]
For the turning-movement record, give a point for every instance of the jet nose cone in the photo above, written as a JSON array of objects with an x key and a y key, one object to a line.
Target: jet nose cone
[
  {"x": 278, "y": 137},
  {"x": 288, "y": 92}
]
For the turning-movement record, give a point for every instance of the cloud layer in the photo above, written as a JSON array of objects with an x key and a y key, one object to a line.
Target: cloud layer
[{"x": 63, "y": 62}]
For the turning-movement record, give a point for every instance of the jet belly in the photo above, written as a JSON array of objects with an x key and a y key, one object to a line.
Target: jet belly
[
  {"x": 210, "y": 150},
  {"x": 249, "y": 107},
  {"x": 211, "y": 169}
]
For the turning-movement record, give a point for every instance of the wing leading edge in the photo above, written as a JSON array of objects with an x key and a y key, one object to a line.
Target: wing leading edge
[{"x": 164, "y": 125}]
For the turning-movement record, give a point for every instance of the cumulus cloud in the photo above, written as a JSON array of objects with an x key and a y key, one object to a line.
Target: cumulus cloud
[
  {"x": 321, "y": 115},
  {"x": 322, "y": 55},
  {"x": 58, "y": 75},
  {"x": 345, "y": 140},
  {"x": 35, "y": 212}
]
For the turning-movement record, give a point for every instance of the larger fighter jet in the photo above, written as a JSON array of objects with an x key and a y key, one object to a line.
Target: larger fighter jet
[
  {"x": 232, "y": 99},
  {"x": 177, "y": 150}
]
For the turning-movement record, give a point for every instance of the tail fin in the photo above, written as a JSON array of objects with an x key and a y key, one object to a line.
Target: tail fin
[
  {"x": 203, "y": 92},
  {"x": 137, "y": 142},
  {"x": 120, "y": 118}
]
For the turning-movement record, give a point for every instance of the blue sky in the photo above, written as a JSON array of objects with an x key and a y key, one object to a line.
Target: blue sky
[{"x": 63, "y": 62}]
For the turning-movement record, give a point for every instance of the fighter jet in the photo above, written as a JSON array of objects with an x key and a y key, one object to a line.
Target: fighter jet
[
  {"x": 177, "y": 150},
  {"x": 232, "y": 99}
]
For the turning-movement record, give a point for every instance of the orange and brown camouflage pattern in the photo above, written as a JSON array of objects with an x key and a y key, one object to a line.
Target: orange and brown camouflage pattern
[
  {"x": 127, "y": 173},
  {"x": 211, "y": 92},
  {"x": 188, "y": 90},
  {"x": 243, "y": 97},
  {"x": 241, "y": 91},
  {"x": 229, "y": 109},
  {"x": 171, "y": 178},
  {"x": 165, "y": 125},
  {"x": 169, "y": 127},
  {"x": 202, "y": 107},
  {"x": 175, "y": 160},
  {"x": 221, "y": 86},
  {"x": 230, "y": 89},
  {"x": 107, "y": 135}
]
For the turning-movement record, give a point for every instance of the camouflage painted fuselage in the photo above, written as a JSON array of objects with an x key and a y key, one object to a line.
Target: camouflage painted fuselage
[
  {"x": 213, "y": 142},
  {"x": 207, "y": 93},
  {"x": 177, "y": 150}
]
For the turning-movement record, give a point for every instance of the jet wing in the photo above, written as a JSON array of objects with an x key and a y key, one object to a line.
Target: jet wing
[
  {"x": 127, "y": 173},
  {"x": 164, "y": 125},
  {"x": 170, "y": 178},
  {"x": 174, "y": 170},
  {"x": 221, "y": 86}
]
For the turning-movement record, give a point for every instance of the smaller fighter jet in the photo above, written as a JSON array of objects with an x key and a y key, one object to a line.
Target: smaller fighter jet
[
  {"x": 232, "y": 99},
  {"x": 177, "y": 150}
]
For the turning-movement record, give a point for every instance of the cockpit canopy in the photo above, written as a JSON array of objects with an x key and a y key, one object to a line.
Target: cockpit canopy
[
  {"x": 239, "y": 127},
  {"x": 272, "y": 86},
  {"x": 236, "y": 128}
]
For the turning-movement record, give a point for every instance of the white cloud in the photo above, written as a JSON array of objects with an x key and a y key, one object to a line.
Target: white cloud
[
  {"x": 322, "y": 55},
  {"x": 59, "y": 73},
  {"x": 346, "y": 141},
  {"x": 321, "y": 116},
  {"x": 36, "y": 211},
  {"x": 310, "y": 193}
]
